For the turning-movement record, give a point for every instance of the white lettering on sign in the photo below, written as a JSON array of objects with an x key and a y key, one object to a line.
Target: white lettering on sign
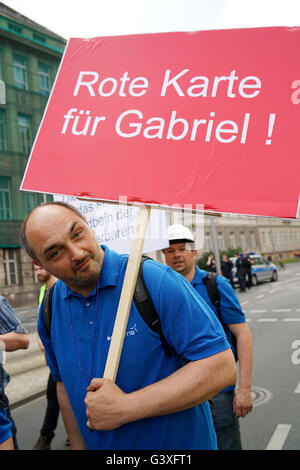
[
  {"x": 250, "y": 82},
  {"x": 130, "y": 124},
  {"x": 86, "y": 122},
  {"x": 110, "y": 85}
]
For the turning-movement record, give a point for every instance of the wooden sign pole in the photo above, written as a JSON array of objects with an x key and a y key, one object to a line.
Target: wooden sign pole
[{"x": 116, "y": 344}]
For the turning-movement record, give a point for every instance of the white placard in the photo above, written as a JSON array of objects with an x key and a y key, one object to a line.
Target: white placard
[{"x": 114, "y": 224}]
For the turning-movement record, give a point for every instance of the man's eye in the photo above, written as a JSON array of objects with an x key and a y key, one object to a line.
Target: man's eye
[{"x": 77, "y": 234}]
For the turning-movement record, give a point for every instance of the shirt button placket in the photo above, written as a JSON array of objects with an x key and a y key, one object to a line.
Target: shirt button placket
[{"x": 87, "y": 304}]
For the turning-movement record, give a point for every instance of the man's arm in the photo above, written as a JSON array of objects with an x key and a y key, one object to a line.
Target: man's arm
[
  {"x": 108, "y": 407},
  {"x": 243, "y": 398},
  {"x": 7, "y": 445},
  {"x": 76, "y": 440},
  {"x": 14, "y": 341},
  {"x": 12, "y": 333}
]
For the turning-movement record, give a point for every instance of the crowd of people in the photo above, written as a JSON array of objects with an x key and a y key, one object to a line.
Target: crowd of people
[{"x": 176, "y": 386}]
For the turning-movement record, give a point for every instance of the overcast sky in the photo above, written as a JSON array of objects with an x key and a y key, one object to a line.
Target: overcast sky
[{"x": 90, "y": 18}]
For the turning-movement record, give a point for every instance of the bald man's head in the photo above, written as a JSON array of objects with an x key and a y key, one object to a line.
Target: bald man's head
[
  {"x": 24, "y": 240},
  {"x": 58, "y": 237}
]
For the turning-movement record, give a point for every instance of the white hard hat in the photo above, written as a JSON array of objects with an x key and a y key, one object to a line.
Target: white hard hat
[{"x": 179, "y": 232}]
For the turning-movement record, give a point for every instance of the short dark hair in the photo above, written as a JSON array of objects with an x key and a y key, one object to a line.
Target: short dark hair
[{"x": 29, "y": 250}]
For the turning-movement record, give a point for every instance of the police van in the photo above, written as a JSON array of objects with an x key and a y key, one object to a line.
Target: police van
[{"x": 262, "y": 270}]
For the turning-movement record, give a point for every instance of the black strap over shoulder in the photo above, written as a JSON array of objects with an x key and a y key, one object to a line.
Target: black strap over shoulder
[
  {"x": 210, "y": 281},
  {"x": 3, "y": 401},
  {"x": 47, "y": 309},
  {"x": 144, "y": 304}
]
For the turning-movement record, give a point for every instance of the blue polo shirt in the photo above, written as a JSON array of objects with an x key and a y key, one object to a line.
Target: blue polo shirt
[
  {"x": 188, "y": 325},
  {"x": 230, "y": 308},
  {"x": 5, "y": 426}
]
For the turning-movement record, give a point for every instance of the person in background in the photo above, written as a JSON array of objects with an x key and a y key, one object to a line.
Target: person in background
[
  {"x": 229, "y": 404},
  {"x": 6, "y": 440},
  {"x": 226, "y": 268},
  {"x": 211, "y": 264},
  {"x": 280, "y": 259},
  {"x": 52, "y": 410},
  {"x": 243, "y": 265},
  {"x": 13, "y": 336}
]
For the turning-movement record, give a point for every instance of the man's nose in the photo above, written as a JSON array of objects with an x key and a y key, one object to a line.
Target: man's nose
[{"x": 75, "y": 251}]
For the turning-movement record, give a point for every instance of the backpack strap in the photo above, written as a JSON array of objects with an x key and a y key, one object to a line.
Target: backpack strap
[
  {"x": 47, "y": 309},
  {"x": 145, "y": 306},
  {"x": 210, "y": 281}
]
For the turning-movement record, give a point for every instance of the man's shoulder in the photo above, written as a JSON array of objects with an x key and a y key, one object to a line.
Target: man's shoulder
[{"x": 152, "y": 268}]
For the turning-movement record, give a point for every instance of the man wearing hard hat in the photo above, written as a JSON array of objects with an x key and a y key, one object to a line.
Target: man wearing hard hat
[{"x": 228, "y": 405}]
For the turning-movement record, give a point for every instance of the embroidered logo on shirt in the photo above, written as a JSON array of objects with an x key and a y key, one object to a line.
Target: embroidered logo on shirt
[{"x": 132, "y": 331}]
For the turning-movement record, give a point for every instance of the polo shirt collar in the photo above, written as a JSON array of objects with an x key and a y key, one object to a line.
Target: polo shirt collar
[
  {"x": 199, "y": 276},
  {"x": 109, "y": 273}
]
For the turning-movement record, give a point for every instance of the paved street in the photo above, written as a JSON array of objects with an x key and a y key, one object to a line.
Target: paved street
[
  {"x": 29, "y": 420},
  {"x": 273, "y": 315}
]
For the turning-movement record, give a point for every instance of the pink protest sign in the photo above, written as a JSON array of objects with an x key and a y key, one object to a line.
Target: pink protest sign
[{"x": 209, "y": 117}]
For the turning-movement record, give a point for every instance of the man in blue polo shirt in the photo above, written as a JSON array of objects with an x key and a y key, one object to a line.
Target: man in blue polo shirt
[
  {"x": 228, "y": 405},
  {"x": 13, "y": 336},
  {"x": 159, "y": 401}
]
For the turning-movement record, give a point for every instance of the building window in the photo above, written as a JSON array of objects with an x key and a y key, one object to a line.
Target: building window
[
  {"x": 39, "y": 37},
  {"x": 44, "y": 77},
  {"x": 31, "y": 201},
  {"x": 207, "y": 242},
  {"x": 252, "y": 241},
  {"x": 10, "y": 266},
  {"x": 5, "y": 199},
  {"x": 20, "y": 72},
  {"x": 15, "y": 28},
  {"x": 25, "y": 137},
  {"x": 243, "y": 241},
  {"x": 281, "y": 238},
  {"x": 220, "y": 241},
  {"x": 3, "y": 141},
  {"x": 232, "y": 240}
]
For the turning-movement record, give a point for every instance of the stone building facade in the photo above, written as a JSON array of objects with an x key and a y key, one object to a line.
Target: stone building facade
[
  {"x": 266, "y": 236},
  {"x": 29, "y": 58}
]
